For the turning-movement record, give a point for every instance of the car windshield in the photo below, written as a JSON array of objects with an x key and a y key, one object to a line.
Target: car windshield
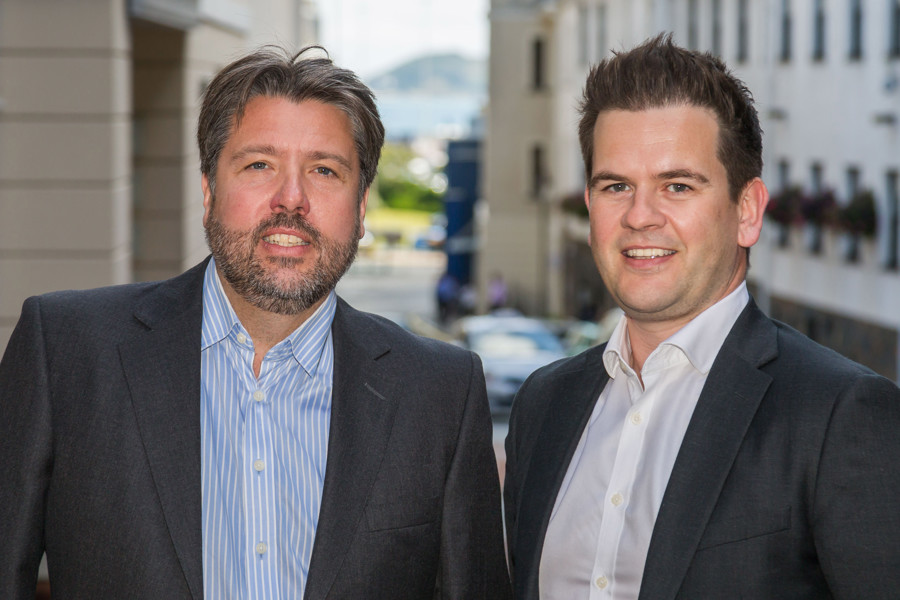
[{"x": 514, "y": 343}]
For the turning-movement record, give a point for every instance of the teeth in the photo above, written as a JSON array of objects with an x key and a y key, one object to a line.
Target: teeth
[
  {"x": 648, "y": 252},
  {"x": 284, "y": 239}
]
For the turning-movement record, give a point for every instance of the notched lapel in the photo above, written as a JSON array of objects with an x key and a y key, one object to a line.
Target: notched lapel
[
  {"x": 363, "y": 407},
  {"x": 559, "y": 436},
  {"x": 726, "y": 407},
  {"x": 162, "y": 368}
]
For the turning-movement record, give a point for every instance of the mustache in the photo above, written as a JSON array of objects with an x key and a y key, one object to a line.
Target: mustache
[{"x": 294, "y": 221}]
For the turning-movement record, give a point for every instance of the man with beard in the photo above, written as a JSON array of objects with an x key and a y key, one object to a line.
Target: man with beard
[{"x": 239, "y": 431}]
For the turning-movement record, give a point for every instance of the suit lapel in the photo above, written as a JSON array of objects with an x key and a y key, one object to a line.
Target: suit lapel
[
  {"x": 729, "y": 400},
  {"x": 563, "y": 425},
  {"x": 162, "y": 368},
  {"x": 363, "y": 405}
]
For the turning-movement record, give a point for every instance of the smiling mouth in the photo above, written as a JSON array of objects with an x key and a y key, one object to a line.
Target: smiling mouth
[
  {"x": 285, "y": 240},
  {"x": 646, "y": 253}
]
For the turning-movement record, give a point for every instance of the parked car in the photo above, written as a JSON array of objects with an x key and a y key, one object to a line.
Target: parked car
[{"x": 511, "y": 347}]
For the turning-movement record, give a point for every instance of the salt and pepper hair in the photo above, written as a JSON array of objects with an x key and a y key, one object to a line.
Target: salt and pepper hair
[
  {"x": 273, "y": 72},
  {"x": 659, "y": 74}
]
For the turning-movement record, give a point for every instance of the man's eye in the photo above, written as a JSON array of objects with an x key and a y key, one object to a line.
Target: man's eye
[
  {"x": 257, "y": 166},
  {"x": 678, "y": 188},
  {"x": 324, "y": 171},
  {"x": 617, "y": 187}
]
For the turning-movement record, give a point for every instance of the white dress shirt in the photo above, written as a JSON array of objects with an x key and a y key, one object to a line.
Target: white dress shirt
[{"x": 600, "y": 527}]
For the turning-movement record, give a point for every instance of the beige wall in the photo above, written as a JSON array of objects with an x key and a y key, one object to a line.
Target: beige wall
[
  {"x": 99, "y": 173},
  {"x": 65, "y": 143},
  {"x": 513, "y": 237}
]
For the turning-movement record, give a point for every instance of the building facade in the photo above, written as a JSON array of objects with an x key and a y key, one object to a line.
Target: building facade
[
  {"x": 826, "y": 78},
  {"x": 99, "y": 173}
]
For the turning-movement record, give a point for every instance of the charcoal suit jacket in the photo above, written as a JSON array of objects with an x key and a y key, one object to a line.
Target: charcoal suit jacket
[
  {"x": 100, "y": 455},
  {"x": 786, "y": 486}
]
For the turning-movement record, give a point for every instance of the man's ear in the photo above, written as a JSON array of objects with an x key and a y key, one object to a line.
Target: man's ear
[
  {"x": 751, "y": 209},
  {"x": 207, "y": 197},
  {"x": 362, "y": 213}
]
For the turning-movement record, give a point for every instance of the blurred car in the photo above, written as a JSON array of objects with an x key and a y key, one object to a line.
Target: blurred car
[{"x": 511, "y": 347}]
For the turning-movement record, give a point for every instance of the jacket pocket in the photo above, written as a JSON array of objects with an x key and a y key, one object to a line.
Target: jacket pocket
[
  {"x": 746, "y": 527},
  {"x": 400, "y": 513}
]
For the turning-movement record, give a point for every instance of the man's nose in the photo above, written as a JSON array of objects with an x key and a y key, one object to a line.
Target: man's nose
[
  {"x": 291, "y": 195},
  {"x": 643, "y": 211}
]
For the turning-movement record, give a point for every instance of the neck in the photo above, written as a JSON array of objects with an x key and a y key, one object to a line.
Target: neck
[
  {"x": 266, "y": 328},
  {"x": 645, "y": 335}
]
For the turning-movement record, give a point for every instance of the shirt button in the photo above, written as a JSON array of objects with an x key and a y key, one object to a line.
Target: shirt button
[
  {"x": 241, "y": 338},
  {"x": 261, "y": 548},
  {"x": 617, "y": 500},
  {"x": 601, "y": 582},
  {"x": 259, "y": 396},
  {"x": 636, "y": 418},
  {"x": 259, "y": 465}
]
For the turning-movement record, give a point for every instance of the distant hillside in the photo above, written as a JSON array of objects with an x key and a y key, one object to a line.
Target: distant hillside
[{"x": 440, "y": 73}]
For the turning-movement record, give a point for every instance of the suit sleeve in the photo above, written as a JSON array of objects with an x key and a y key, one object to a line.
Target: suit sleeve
[
  {"x": 473, "y": 563},
  {"x": 25, "y": 454},
  {"x": 856, "y": 520}
]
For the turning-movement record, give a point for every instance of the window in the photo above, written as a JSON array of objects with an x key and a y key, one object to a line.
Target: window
[
  {"x": 894, "y": 33},
  {"x": 537, "y": 170},
  {"x": 583, "y": 24},
  {"x": 785, "y": 50},
  {"x": 852, "y": 182},
  {"x": 601, "y": 30},
  {"x": 819, "y": 30},
  {"x": 815, "y": 177},
  {"x": 893, "y": 220},
  {"x": 856, "y": 29},
  {"x": 784, "y": 174},
  {"x": 537, "y": 64},
  {"x": 693, "y": 34},
  {"x": 742, "y": 33},
  {"x": 717, "y": 27}
]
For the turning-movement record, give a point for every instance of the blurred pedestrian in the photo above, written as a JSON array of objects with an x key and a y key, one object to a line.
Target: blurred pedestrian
[
  {"x": 705, "y": 451},
  {"x": 239, "y": 431},
  {"x": 497, "y": 293},
  {"x": 447, "y": 297}
]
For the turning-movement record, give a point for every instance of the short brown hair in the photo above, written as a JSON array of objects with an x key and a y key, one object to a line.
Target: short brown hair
[
  {"x": 659, "y": 74},
  {"x": 272, "y": 71}
]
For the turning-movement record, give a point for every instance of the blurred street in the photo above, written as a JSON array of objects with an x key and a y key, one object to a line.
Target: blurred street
[{"x": 399, "y": 283}]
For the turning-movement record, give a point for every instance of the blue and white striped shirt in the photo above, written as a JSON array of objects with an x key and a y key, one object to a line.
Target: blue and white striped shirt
[{"x": 264, "y": 449}]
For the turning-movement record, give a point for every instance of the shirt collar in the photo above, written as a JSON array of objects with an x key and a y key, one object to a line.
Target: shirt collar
[
  {"x": 220, "y": 322},
  {"x": 699, "y": 340}
]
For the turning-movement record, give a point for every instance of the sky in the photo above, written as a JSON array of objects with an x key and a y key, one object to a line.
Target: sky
[{"x": 373, "y": 36}]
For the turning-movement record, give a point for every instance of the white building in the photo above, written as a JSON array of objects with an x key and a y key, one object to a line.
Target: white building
[
  {"x": 99, "y": 173},
  {"x": 826, "y": 78}
]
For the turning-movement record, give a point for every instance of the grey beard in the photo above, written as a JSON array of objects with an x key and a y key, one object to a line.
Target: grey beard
[{"x": 245, "y": 272}]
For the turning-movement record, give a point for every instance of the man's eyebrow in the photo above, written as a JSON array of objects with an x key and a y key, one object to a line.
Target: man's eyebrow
[
  {"x": 265, "y": 149},
  {"x": 605, "y": 176},
  {"x": 332, "y": 156},
  {"x": 269, "y": 150},
  {"x": 683, "y": 174}
]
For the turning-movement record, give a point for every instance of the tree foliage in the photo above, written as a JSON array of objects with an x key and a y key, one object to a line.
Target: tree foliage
[{"x": 401, "y": 188}]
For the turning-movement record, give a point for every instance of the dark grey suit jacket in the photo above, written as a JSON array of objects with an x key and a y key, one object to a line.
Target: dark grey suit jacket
[
  {"x": 100, "y": 455},
  {"x": 787, "y": 483}
]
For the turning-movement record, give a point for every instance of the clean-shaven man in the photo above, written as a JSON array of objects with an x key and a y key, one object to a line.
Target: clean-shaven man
[{"x": 706, "y": 451}]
